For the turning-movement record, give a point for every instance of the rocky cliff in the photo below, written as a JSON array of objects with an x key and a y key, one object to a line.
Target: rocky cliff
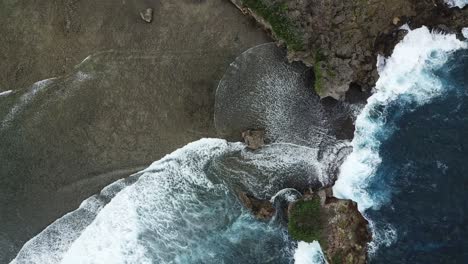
[{"x": 341, "y": 39}]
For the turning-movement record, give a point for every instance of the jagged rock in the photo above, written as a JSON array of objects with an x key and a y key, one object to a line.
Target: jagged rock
[
  {"x": 337, "y": 224},
  {"x": 261, "y": 209},
  {"x": 254, "y": 139},
  {"x": 347, "y": 232},
  {"x": 147, "y": 15},
  {"x": 337, "y": 38},
  {"x": 385, "y": 42}
]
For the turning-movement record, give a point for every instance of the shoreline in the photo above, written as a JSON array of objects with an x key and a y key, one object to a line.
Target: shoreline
[{"x": 113, "y": 111}]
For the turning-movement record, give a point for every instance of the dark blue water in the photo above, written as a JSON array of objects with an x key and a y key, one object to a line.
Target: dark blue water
[{"x": 423, "y": 177}]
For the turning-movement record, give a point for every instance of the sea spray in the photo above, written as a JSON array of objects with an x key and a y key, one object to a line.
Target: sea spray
[
  {"x": 6, "y": 93},
  {"x": 465, "y": 32},
  {"x": 456, "y": 3},
  {"x": 407, "y": 80},
  {"x": 308, "y": 253}
]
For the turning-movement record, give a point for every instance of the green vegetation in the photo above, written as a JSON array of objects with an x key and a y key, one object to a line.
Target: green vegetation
[
  {"x": 282, "y": 26},
  {"x": 305, "y": 221},
  {"x": 318, "y": 78},
  {"x": 337, "y": 259},
  {"x": 318, "y": 74}
]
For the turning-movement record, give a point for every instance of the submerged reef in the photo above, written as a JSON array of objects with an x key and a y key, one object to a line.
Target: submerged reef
[{"x": 340, "y": 40}]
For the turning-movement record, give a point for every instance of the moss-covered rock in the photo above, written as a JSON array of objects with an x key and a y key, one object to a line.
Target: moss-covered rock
[
  {"x": 274, "y": 15},
  {"x": 306, "y": 220},
  {"x": 336, "y": 224}
]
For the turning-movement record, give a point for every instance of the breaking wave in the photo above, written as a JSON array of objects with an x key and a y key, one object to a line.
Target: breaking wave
[
  {"x": 308, "y": 253},
  {"x": 407, "y": 81},
  {"x": 457, "y": 3},
  {"x": 182, "y": 209}
]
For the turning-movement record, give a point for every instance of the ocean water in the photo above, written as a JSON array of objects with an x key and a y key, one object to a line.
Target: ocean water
[{"x": 408, "y": 169}]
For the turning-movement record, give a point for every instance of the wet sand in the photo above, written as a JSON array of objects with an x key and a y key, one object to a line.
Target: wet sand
[{"x": 145, "y": 90}]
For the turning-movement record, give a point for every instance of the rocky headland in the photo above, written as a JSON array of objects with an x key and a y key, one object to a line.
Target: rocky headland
[
  {"x": 340, "y": 40},
  {"x": 337, "y": 224},
  {"x": 313, "y": 215}
]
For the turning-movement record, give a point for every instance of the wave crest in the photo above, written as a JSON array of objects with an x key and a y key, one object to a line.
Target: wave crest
[{"x": 407, "y": 81}]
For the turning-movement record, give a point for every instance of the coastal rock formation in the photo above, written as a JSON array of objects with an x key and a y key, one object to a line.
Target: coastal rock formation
[
  {"x": 147, "y": 15},
  {"x": 254, "y": 139},
  {"x": 337, "y": 224},
  {"x": 260, "y": 89},
  {"x": 341, "y": 39},
  {"x": 261, "y": 209}
]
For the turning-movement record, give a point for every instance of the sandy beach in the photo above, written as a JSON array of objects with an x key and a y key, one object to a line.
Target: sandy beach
[{"x": 125, "y": 93}]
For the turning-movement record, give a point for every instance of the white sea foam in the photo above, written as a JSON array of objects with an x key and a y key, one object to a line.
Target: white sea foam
[
  {"x": 178, "y": 211},
  {"x": 289, "y": 194},
  {"x": 405, "y": 78},
  {"x": 465, "y": 32},
  {"x": 6, "y": 93},
  {"x": 308, "y": 253},
  {"x": 50, "y": 245},
  {"x": 113, "y": 234},
  {"x": 383, "y": 235},
  {"x": 286, "y": 154},
  {"x": 24, "y": 100},
  {"x": 406, "y": 72},
  {"x": 456, "y": 3}
]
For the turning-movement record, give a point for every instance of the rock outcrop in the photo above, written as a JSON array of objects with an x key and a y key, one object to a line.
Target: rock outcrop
[
  {"x": 261, "y": 209},
  {"x": 254, "y": 139},
  {"x": 337, "y": 224},
  {"x": 147, "y": 15},
  {"x": 341, "y": 39}
]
